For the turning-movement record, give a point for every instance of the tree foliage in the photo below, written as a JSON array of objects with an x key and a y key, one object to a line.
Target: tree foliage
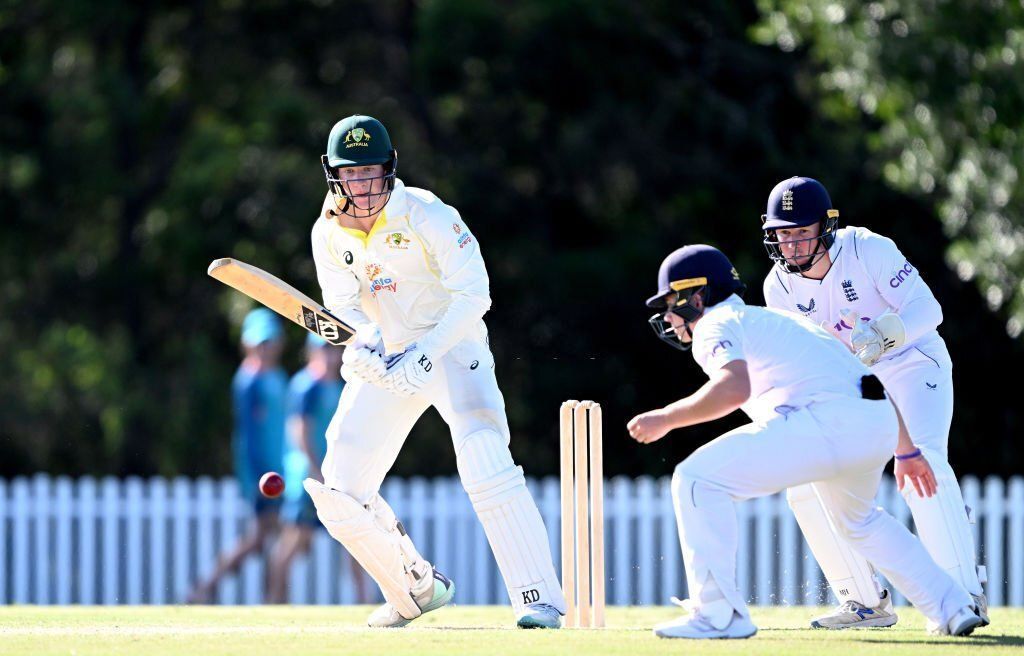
[{"x": 581, "y": 141}]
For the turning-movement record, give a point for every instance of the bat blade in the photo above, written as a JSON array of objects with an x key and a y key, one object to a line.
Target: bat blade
[{"x": 282, "y": 298}]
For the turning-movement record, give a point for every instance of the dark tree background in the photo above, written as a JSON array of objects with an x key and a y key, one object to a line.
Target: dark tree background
[{"x": 581, "y": 140}]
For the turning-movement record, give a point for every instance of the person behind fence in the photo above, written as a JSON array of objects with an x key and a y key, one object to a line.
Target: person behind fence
[
  {"x": 859, "y": 286},
  {"x": 258, "y": 395},
  {"x": 313, "y": 394},
  {"x": 404, "y": 269},
  {"x": 818, "y": 416}
]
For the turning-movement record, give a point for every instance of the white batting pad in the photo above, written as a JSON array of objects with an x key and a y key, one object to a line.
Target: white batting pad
[
  {"x": 377, "y": 541},
  {"x": 943, "y": 525},
  {"x": 510, "y": 518},
  {"x": 848, "y": 573}
]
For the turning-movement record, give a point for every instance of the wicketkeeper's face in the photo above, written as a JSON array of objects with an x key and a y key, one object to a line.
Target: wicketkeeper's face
[{"x": 798, "y": 244}]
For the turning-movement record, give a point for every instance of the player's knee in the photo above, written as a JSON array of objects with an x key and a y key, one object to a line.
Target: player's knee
[
  {"x": 481, "y": 456},
  {"x": 856, "y": 527},
  {"x": 687, "y": 484}
]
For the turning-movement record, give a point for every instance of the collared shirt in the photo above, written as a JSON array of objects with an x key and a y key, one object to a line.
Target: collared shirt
[
  {"x": 418, "y": 274},
  {"x": 790, "y": 361},
  {"x": 870, "y": 276}
]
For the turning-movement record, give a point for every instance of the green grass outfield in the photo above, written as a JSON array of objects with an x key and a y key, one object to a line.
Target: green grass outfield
[{"x": 487, "y": 630}]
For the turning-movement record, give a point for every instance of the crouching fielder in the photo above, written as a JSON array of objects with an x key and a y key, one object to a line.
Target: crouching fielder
[
  {"x": 818, "y": 417},
  {"x": 402, "y": 267},
  {"x": 858, "y": 285}
]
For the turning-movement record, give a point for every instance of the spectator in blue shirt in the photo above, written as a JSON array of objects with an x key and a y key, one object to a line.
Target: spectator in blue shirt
[{"x": 258, "y": 394}]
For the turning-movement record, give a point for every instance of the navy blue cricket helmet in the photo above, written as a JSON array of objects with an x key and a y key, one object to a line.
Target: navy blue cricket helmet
[
  {"x": 685, "y": 272},
  {"x": 796, "y": 203}
]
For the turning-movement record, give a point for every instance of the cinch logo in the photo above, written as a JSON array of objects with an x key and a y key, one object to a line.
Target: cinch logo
[
  {"x": 806, "y": 309},
  {"x": 357, "y": 137},
  {"x": 464, "y": 240},
  {"x": 720, "y": 345},
  {"x": 901, "y": 275}
]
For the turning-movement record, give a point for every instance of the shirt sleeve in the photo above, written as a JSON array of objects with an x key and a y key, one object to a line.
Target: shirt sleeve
[
  {"x": 461, "y": 272},
  {"x": 900, "y": 284},
  {"x": 775, "y": 294},
  {"x": 717, "y": 341},
  {"x": 338, "y": 284}
]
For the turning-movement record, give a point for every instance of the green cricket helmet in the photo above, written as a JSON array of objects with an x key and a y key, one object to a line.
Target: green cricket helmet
[{"x": 359, "y": 141}]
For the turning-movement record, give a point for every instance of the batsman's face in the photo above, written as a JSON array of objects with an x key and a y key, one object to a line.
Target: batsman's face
[
  {"x": 364, "y": 185},
  {"x": 798, "y": 244}
]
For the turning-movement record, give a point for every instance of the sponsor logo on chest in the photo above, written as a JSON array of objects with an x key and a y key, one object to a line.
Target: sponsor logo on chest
[
  {"x": 807, "y": 309},
  {"x": 379, "y": 283}
]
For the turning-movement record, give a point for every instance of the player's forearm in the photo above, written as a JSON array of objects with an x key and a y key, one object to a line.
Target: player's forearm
[
  {"x": 464, "y": 312},
  {"x": 715, "y": 399},
  {"x": 920, "y": 316},
  {"x": 904, "y": 443}
]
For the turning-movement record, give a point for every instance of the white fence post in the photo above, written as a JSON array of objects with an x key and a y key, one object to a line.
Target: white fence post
[{"x": 126, "y": 541}]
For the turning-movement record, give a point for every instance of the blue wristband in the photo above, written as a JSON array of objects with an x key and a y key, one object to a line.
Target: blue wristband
[{"x": 916, "y": 453}]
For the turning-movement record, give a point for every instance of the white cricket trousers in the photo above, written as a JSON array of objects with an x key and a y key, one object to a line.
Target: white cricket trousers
[
  {"x": 841, "y": 446},
  {"x": 371, "y": 425}
]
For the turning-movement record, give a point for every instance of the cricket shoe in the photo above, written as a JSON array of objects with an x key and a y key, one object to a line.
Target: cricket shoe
[
  {"x": 435, "y": 596},
  {"x": 855, "y": 615},
  {"x": 963, "y": 622},
  {"x": 539, "y": 616},
  {"x": 981, "y": 607},
  {"x": 697, "y": 627}
]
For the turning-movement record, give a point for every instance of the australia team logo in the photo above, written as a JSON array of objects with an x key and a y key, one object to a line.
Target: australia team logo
[
  {"x": 379, "y": 283},
  {"x": 806, "y": 309},
  {"x": 397, "y": 241},
  {"x": 357, "y": 137}
]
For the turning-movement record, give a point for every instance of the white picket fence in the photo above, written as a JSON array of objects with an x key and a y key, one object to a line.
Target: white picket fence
[{"x": 137, "y": 541}]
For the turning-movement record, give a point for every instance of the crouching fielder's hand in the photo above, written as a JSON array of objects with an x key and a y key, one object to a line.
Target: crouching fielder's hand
[
  {"x": 649, "y": 426},
  {"x": 917, "y": 469}
]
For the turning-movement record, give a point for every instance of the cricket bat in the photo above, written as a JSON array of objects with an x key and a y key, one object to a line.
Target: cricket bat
[{"x": 282, "y": 298}]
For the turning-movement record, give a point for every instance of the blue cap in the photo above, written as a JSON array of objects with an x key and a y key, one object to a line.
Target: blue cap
[
  {"x": 260, "y": 325},
  {"x": 314, "y": 341},
  {"x": 686, "y": 266},
  {"x": 795, "y": 203}
]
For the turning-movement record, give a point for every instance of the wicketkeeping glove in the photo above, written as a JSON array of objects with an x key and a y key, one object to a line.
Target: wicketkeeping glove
[{"x": 872, "y": 338}]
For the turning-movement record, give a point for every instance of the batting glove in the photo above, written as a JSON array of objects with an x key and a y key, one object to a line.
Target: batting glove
[{"x": 408, "y": 372}]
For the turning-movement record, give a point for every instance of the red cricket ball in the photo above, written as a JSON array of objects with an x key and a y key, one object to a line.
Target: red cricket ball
[{"x": 271, "y": 485}]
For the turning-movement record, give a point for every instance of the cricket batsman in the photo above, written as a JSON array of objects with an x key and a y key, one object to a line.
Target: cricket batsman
[
  {"x": 403, "y": 268},
  {"x": 857, "y": 284},
  {"x": 818, "y": 417}
]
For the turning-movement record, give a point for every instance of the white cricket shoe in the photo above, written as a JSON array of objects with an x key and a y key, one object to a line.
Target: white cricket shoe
[
  {"x": 539, "y": 616},
  {"x": 855, "y": 615},
  {"x": 981, "y": 607},
  {"x": 435, "y": 596},
  {"x": 963, "y": 622},
  {"x": 697, "y": 627}
]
